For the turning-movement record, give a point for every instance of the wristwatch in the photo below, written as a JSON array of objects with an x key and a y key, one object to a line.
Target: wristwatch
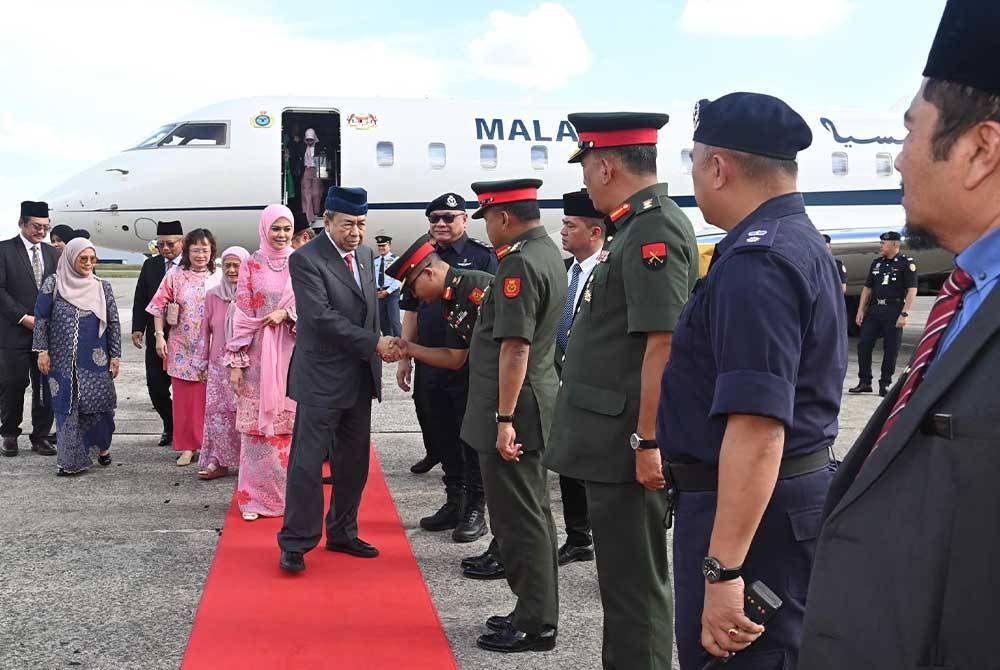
[
  {"x": 504, "y": 418},
  {"x": 904, "y": 314},
  {"x": 637, "y": 443},
  {"x": 714, "y": 572}
]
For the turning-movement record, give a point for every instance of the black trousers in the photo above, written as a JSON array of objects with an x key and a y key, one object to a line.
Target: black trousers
[
  {"x": 880, "y": 322},
  {"x": 18, "y": 369},
  {"x": 575, "y": 515},
  {"x": 158, "y": 384},
  {"x": 388, "y": 312},
  {"x": 441, "y": 404},
  {"x": 345, "y": 436}
]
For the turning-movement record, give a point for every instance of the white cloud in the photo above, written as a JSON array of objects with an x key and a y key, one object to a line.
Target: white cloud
[
  {"x": 765, "y": 18},
  {"x": 542, "y": 49}
]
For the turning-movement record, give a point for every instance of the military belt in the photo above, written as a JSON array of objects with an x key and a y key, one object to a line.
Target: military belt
[
  {"x": 888, "y": 301},
  {"x": 705, "y": 477}
]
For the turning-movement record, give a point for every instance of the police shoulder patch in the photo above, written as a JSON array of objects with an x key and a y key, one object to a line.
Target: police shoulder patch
[
  {"x": 913, "y": 266},
  {"x": 654, "y": 255},
  {"x": 512, "y": 287}
]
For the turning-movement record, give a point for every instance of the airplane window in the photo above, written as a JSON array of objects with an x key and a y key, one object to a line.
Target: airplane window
[
  {"x": 436, "y": 155},
  {"x": 385, "y": 154},
  {"x": 196, "y": 135},
  {"x": 883, "y": 164},
  {"x": 155, "y": 138},
  {"x": 539, "y": 157},
  {"x": 686, "y": 161},
  {"x": 488, "y": 156},
  {"x": 839, "y": 163}
]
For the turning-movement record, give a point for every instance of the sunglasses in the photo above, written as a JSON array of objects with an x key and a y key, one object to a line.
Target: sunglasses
[{"x": 447, "y": 218}]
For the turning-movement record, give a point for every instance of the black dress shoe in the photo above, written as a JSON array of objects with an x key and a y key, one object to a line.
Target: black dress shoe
[
  {"x": 570, "y": 554},
  {"x": 499, "y": 622},
  {"x": 356, "y": 547},
  {"x": 292, "y": 561},
  {"x": 471, "y": 561},
  {"x": 424, "y": 465},
  {"x": 861, "y": 388},
  {"x": 445, "y": 518},
  {"x": 883, "y": 390},
  {"x": 63, "y": 473},
  {"x": 9, "y": 446},
  {"x": 166, "y": 439},
  {"x": 491, "y": 568},
  {"x": 104, "y": 459},
  {"x": 327, "y": 481},
  {"x": 42, "y": 447},
  {"x": 471, "y": 528},
  {"x": 511, "y": 640}
]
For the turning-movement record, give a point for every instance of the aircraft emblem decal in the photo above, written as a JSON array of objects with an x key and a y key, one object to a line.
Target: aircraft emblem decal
[
  {"x": 362, "y": 121},
  {"x": 262, "y": 120}
]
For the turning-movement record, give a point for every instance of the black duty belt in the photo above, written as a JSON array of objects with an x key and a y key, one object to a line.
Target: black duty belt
[
  {"x": 705, "y": 477},
  {"x": 888, "y": 301}
]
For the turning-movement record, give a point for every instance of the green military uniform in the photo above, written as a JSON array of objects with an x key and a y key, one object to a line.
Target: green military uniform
[
  {"x": 464, "y": 292},
  {"x": 525, "y": 301},
  {"x": 646, "y": 272}
]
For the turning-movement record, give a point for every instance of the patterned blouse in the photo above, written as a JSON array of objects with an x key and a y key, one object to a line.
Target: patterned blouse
[{"x": 187, "y": 289}]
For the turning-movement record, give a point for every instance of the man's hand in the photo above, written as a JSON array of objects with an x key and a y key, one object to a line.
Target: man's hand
[
  {"x": 28, "y": 322},
  {"x": 859, "y": 318},
  {"x": 277, "y": 317},
  {"x": 115, "y": 366},
  {"x": 901, "y": 322},
  {"x": 508, "y": 448},
  {"x": 382, "y": 293},
  {"x": 236, "y": 379},
  {"x": 388, "y": 349},
  {"x": 724, "y": 626},
  {"x": 44, "y": 362},
  {"x": 137, "y": 339},
  {"x": 161, "y": 346},
  {"x": 404, "y": 373},
  {"x": 649, "y": 469}
]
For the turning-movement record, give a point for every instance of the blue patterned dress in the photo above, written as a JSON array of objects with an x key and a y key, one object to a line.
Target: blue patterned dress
[{"x": 79, "y": 385}]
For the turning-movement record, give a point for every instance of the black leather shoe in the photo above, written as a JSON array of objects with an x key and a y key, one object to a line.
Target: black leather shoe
[
  {"x": 356, "y": 547},
  {"x": 471, "y": 561},
  {"x": 43, "y": 447},
  {"x": 499, "y": 622},
  {"x": 328, "y": 481},
  {"x": 424, "y": 465},
  {"x": 883, "y": 389},
  {"x": 511, "y": 641},
  {"x": 570, "y": 554},
  {"x": 445, "y": 518},
  {"x": 104, "y": 459},
  {"x": 861, "y": 388},
  {"x": 63, "y": 473},
  {"x": 491, "y": 568},
  {"x": 471, "y": 528},
  {"x": 166, "y": 439},
  {"x": 292, "y": 561},
  {"x": 9, "y": 446}
]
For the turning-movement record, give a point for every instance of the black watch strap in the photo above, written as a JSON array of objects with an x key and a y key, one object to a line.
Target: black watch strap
[{"x": 504, "y": 418}]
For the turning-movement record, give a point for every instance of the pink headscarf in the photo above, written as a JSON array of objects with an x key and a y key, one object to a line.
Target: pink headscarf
[
  {"x": 276, "y": 342},
  {"x": 85, "y": 293}
]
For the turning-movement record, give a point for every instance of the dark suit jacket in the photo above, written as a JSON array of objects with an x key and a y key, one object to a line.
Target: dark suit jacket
[
  {"x": 150, "y": 276},
  {"x": 18, "y": 290},
  {"x": 906, "y": 572},
  {"x": 336, "y": 328}
]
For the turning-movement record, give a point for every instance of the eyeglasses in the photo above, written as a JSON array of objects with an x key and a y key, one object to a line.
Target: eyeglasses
[
  {"x": 447, "y": 218},
  {"x": 87, "y": 260},
  {"x": 166, "y": 243},
  {"x": 40, "y": 227}
]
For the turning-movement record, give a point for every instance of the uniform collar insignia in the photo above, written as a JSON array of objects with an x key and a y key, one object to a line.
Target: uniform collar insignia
[
  {"x": 449, "y": 293},
  {"x": 620, "y": 211}
]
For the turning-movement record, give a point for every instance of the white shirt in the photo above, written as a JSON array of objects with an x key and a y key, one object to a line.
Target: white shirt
[
  {"x": 354, "y": 259},
  {"x": 587, "y": 266}
]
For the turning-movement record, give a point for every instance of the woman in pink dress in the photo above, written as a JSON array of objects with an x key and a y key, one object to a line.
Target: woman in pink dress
[
  {"x": 258, "y": 354},
  {"x": 185, "y": 287},
  {"x": 221, "y": 447}
]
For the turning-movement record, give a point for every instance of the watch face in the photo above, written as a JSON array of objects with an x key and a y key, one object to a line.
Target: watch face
[
  {"x": 633, "y": 441},
  {"x": 711, "y": 569}
]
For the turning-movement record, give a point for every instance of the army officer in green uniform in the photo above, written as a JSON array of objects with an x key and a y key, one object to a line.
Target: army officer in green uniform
[
  {"x": 604, "y": 427},
  {"x": 512, "y": 392}
]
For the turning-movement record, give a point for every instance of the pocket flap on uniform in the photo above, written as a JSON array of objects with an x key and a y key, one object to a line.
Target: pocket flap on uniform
[
  {"x": 806, "y": 522},
  {"x": 595, "y": 399}
]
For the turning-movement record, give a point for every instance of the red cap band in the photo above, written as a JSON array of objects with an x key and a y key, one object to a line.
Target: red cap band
[
  {"x": 419, "y": 255},
  {"x": 498, "y": 197},
  {"x": 619, "y": 138}
]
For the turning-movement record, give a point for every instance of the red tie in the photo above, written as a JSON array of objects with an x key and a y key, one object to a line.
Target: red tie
[
  {"x": 948, "y": 302},
  {"x": 349, "y": 259}
]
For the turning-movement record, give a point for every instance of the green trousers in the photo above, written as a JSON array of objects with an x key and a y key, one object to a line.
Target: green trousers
[
  {"x": 634, "y": 575},
  {"x": 517, "y": 496}
]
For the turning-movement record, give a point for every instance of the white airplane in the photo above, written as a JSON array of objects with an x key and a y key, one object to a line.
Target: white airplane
[{"x": 217, "y": 167}]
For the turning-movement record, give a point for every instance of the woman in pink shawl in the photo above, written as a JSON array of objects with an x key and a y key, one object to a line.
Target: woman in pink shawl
[
  {"x": 221, "y": 446},
  {"x": 258, "y": 354}
]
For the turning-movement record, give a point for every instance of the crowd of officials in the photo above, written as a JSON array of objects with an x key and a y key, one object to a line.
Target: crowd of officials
[{"x": 662, "y": 400}]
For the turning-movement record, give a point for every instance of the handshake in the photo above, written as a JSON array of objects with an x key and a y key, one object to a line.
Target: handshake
[{"x": 391, "y": 349}]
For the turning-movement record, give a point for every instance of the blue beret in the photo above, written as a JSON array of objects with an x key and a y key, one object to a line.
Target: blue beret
[
  {"x": 353, "y": 201},
  {"x": 753, "y": 123},
  {"x": 964, "y": 48}
]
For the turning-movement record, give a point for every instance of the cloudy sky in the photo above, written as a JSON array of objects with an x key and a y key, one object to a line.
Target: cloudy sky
[{"x": 81, "y": 81}]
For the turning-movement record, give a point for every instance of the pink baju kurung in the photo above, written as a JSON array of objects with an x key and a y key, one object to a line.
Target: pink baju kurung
[{"x": 221, "y": 444}]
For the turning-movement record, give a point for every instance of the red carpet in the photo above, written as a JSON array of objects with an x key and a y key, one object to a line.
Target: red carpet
[{"x": 342, "y": 612}]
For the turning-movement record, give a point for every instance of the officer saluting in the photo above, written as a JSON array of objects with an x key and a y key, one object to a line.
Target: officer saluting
[
  {"x": 603, "y": 432},
  {"x": 886, "y": 299},
  {"x": 752, "y": 391}
]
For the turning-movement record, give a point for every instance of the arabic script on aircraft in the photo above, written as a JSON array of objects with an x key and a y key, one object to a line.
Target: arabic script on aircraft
[{"x": 851, "y": 139}]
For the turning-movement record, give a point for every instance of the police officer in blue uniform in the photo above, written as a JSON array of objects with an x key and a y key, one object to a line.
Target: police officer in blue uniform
[
  {"x": 886, "y": 299},
  {"x": 750, "y": 397},
  {"x": 388, "y": 288},
  {"x": 841, "y": 268},
  {"x": 440, "y": 395}
]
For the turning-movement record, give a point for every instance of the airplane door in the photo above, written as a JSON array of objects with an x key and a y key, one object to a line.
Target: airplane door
[{"x": 295, "y": 124}]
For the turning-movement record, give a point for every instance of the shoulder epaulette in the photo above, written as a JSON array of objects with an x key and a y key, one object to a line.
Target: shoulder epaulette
[
  {"x": 760, "y": 236},
  {"x": 484, "y": 245}
]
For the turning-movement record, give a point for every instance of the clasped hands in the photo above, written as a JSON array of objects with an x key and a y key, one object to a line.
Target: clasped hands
[{"x": 391, "y": 349}]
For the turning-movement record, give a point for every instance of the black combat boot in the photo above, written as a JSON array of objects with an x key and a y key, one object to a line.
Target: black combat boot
[
  {"x": 473, "y": 523},
  {"x": 445, "y": 518}
]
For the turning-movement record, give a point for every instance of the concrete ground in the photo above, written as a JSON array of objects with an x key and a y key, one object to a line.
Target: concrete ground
[{"x": 105, "y": 571}]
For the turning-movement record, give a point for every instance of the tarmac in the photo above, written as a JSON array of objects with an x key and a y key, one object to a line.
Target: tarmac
[{"x": 105, "y": 570}]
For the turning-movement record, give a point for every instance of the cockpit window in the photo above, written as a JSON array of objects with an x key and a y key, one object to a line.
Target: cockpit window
[{"x": 194, "y": 134}]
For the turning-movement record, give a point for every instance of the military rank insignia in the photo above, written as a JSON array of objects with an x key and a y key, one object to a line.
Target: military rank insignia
[
  {"x": 449, "y": 293},
  {"x": 620, "y": 211},
  {"x": 654, "y": 255},
  {"x": 512, "y": 287},
  {"x": 476, "y": 297}
]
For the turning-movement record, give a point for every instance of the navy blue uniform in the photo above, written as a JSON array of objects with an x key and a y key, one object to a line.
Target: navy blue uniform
[
  {"x": 889, "y": 279},
  {"x": 440, "y": 395},
  {"x": 764, "y": 333}
]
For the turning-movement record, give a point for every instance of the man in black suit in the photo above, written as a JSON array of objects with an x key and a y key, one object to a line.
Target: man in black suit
[
  {"x": 334, "y": 374},
  {"x": 905, "y": 568},
  {"x": 169, "y": 236},
  {"x": 24, "y": 261}
]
